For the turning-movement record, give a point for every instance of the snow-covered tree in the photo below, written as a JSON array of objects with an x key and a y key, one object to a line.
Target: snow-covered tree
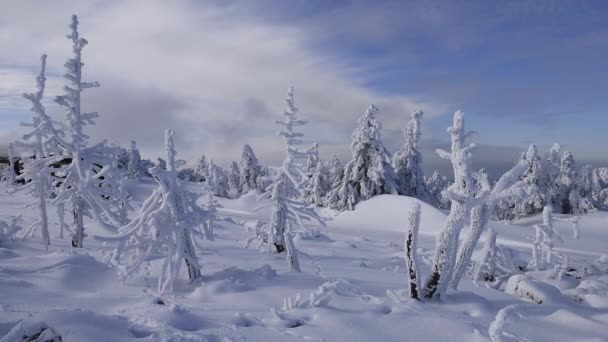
[
  {"x": 134, "y": 165},
  {"x": 313, "y": 159},
  {"x": 202, "y": 170},
  {"x": 165, "y": 225},
  {"x": 217, "y": 181},
  {"x": 250, "y": 170},
  {"x": 234, "y": 180},
  {"x": 509, "y": 186},
  {"x": 370, "y": 171},
  {"x": 335, "y": 176},
  {"x": 11, "y": 175},
  {"x": 436, "y": 186},
  {"x": 36, "y": 169},
  {"x": 544, "y": 242},
  {"x": 86, "y": 182},
  {"x": 161, "y": 163},
  {"x": 461, "y": 196},
  {"x": 408, "y": 162},
  {"x": 286, "y": 189},
  {"x": 534, "y": 181},
  {"x": 318, "y": 185},
  {"x": 411, "y": 245},
  {"x": 552, "y": 170}
]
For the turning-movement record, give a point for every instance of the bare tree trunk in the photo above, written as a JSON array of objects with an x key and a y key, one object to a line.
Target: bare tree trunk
[
  {"x": 78, "y": 237},
  {"x": 194, "y": 269},
  {"x": 44, "y": 221}
]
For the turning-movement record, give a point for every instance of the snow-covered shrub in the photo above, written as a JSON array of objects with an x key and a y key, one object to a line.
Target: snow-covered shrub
[
  {"x": 532, "y": 290},
  {"x": 165, "y": 225},
  {"x": 8, "y": 228},
  {"x": 234, "y": 180},
  {"x": 544, "y": 242}
]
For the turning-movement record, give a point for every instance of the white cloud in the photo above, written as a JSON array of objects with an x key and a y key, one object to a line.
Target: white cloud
[{"x": 215, "y": 75}]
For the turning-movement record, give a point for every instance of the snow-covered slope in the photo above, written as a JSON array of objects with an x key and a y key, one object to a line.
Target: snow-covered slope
[{"x": 352, "y": 286}]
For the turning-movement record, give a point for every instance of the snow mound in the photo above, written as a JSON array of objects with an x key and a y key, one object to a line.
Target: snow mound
[
  {"x": 389, "y": 213},
  {"x": 71, "y": 326},
  {"x": 533, "y": 290},
  {"x": 234, "y": 279}
]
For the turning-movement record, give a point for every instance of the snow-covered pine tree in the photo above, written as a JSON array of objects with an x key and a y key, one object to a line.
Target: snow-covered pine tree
[
  {"x": 313, "y": 159},
  {"x": 216, "y": 180},
  {"x": 85, "y": 186},
  {"x": 165, "y": 225},
  {"x": 134, "y": 165},
  {"x": 36, "y": 169},
  {"x": 461, "y": 196},
  {"x": 335, "y": 176},
  {"x": 286, "y": 189},
  {"x": 411, "y": 243},
  {"x": 436, "y": 186},
  {"x": 318, "y": 185},
  {"x": 202, "y": 170},
  {"x": 536, "y": 188},
  {"x": 250, "y": 170},
  {"x": 370, "y": 172},
  {"x": 567, "y": 180},
  {"x": 408, "y": 162},
  {"x": 234, "y": 180},
  {"x": 552, "y": 169}
]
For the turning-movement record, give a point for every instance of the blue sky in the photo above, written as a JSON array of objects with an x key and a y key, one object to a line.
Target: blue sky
[{"x": 523, "y": 71}]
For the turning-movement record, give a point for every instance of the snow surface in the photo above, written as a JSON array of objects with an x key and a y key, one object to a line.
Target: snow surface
[{"x": 353, "y": 285}]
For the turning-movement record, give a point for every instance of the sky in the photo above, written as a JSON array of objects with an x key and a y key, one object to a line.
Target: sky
[{"x": 217, "y": 72}]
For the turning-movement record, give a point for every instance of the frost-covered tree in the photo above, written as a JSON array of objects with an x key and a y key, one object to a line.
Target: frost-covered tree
[
  {"x": 234, "y": 180},
  {"x": 461, "y": 195},
  {"x": 411, "y": 243},
  {"x": 87, "y": 185},
  {"x": 408, "y": 162},
  {"x": 509, "y": 186},
  {"x": 40, "y": 143},
  {"x": 11, "y": 174},
  {"x": 217, "y": 181},
  {"x": 536, "y": 188},
  {"x": 250, "y": 170},
  {"x": 134, "y": 165},
  {"x": 286, "y": 189},
  {"x": 436, "y": 186},
  {"x": 161, "y": 163},
  {"x": 202, "y": 170},
  {"x": 370, "y": 171},
  {"x": 313, "y": 159},
  {"x": 552, "y": 170},
  {"x": 318, "y": 185},
  {"x": 567, "y": 182},
  {"x": 166, "y": 225},
  {"x": 544, "y": 242}
]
